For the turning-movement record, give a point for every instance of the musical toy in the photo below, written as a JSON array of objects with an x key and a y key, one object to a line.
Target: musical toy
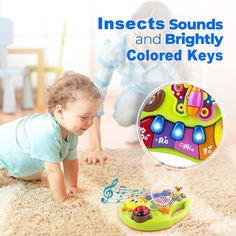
[
  {"x": 155, "y": 212},
  {"x": 183, "y": 120}
]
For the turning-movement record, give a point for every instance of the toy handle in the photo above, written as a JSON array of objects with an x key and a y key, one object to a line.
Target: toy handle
[{"x": 184, "y": 211}]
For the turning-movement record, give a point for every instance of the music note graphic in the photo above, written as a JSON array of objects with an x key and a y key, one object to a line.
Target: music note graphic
[
  {"x": 136, "y": 192},
  {"x": 107, "y": 192},
  {"x": 114, "y": 194},
  {"x": 131, "y": 195},
  {"x": 122, "y": 190},
  {"x": 141, "y": 191}
]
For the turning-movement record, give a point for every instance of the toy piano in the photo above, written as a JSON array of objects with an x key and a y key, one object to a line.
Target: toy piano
[
  {"x": 183, "y": 120},
  {"x": 155, "y": 212}
]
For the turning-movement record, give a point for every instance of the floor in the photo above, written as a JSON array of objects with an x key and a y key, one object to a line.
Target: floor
[{"x": 211, "y": 190}]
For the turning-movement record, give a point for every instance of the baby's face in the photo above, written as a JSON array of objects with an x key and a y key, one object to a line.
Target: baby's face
[{"x": 78, "y": 115}]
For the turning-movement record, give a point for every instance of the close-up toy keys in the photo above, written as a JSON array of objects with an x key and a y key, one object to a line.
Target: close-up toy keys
[{"x": 181, "y": 120}]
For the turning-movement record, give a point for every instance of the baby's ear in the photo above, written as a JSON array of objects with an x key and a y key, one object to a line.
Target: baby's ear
[{"x": 59, "y": 110}]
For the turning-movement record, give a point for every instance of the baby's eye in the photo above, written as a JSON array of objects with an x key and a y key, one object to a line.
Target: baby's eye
[{"x": 83, "y": 117}]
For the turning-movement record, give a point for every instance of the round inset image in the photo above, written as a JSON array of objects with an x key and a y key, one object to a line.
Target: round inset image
[{"x": 180, "y": 125}]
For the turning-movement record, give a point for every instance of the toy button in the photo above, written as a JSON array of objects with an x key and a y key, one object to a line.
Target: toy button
[
  {"x": 164, "y": 139},
  {"x": 145, "y": 132},
  {"x": 158, "y": 124},
  {"x": 186, "y": 145},
  {"x": 207, "y": 148},
  {"x": 148, "y": 197},
  {"x": 178, "y": 131},
  {"x": 166, "y": 192},
  {"x": 198, "y": 134},
  {"x": 141, "y": 214},
  {"x": 157, "y": 194}
]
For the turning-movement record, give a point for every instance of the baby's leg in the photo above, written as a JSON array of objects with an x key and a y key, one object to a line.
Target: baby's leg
[
  {"x": 34, "y": 177},
  {"x": 4, "y": 176},
  {"x": 3, "y": 172},
  {"x": 127, "y": 106}
]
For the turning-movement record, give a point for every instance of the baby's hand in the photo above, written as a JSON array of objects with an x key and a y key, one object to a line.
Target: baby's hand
[
  {"x": 95, "y": 157},
  {"x": 72, "y": 202},
  {"x": 74, "y": 190}
]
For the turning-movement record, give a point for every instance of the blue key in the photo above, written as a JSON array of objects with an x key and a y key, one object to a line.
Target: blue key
[
  {"x": 148, "y": 197},
  {"x": 177, "y": 132},
  {"x": 156, "y": 194},
  {"x": 199, "y": 136},
  {"x": 157, "y": 125}
]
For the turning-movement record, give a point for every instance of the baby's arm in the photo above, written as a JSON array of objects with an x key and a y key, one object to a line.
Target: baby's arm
[
  {"x": 57, "y": 184},
  {"x": 56, "y": 181},
  {"x": 96, "y": 154},
  {"x": 71, "y": 175}
]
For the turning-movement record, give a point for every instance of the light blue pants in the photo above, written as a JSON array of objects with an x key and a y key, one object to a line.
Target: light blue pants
[{"x": 127, "y": 107}]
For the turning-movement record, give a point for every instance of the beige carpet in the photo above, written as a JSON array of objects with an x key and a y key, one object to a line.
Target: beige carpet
[{"x": 28, "y": 208}]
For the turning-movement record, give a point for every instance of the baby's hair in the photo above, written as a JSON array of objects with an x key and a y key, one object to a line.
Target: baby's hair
[{"x": 68, "y": 87}]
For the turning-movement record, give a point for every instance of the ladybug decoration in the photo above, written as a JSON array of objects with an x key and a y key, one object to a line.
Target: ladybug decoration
[{"x": 141, "y": 214}]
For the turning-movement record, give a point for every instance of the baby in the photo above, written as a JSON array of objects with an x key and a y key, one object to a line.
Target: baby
[{"x": 36, "y": 142}]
